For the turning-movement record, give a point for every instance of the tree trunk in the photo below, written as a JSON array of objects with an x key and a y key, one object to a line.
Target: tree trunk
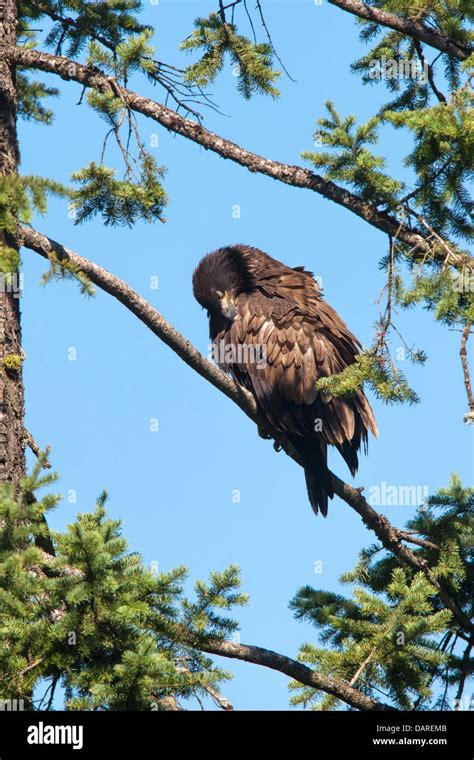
[{"x": 12, "y": 456}]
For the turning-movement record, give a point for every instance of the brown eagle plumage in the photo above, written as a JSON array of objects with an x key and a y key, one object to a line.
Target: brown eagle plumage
[{"x": 255, "y": 302}]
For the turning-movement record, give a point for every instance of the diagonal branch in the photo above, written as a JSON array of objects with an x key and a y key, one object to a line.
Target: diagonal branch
[
  {"x": 391, "y": 537},
  {"x": 408, "y": 26},
  {"x": 217, "y": 697},
  {"x": 465, "y": 670},
  {"x": 429, "y": 68},
  {"x": 297, "y": 670},
  {"x": 296, "y": 176},
  {"x": 469, "y": 417}
]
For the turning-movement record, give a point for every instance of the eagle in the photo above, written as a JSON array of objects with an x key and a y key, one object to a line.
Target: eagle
[{"x": 272, "y": 331}]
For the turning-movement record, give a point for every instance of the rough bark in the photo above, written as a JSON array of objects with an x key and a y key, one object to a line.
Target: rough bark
[
  {"x": 12, "y": 460},
  {"x": 408, "y": 26},
  {"x": 469, "y": 417},
  {"x": 267, "y": 658},
  {"x": 297, "y": 176}
]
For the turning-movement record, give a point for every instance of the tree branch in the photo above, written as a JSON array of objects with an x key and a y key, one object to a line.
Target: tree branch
[
  {"x": 391, "y": 537},
  {"x": 407, "y": 26},
  {"x": 145, "y": 312},
  {"x": 173, "y": 88},
  {"x": 465, "y": 669},
  {"x": 295, "y": 176},
  {"x": 363, "y": 666},
  {"x": 469, "y": 417},
  {"x": 217, "y": 697},
  {"x": 297, "y": 670},
  {"x": 33, "y": 445},
  {"x": 429, "y": 68}
]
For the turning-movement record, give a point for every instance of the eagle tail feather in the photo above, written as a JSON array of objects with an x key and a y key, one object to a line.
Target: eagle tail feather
[
  {"x": 318, "y": 480},
  {"x": 318, "y": 498}
]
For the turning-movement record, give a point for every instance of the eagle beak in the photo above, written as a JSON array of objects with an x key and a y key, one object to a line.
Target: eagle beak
[{"x": 228, "y": 307}]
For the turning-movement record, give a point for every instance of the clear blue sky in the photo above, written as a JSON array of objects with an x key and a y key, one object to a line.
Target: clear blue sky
[{"x": 173, "y": 488}]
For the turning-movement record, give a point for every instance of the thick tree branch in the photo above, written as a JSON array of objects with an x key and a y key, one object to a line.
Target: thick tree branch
[
  {"x": 391, "y": 537},
  {"x": 296, "y": 670},
  {"x": 291, "y": 175},
  {"x": 408, "y": 26},
  {"x": 152, "y": 319},
  {"x": 469, "y": 417},
  {"x": 145, "y": 312}
]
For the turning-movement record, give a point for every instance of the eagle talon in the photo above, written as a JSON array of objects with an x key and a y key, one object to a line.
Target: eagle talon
[
  {"x": 279, "y": 442},
  {"x": 262, "y": 431}
]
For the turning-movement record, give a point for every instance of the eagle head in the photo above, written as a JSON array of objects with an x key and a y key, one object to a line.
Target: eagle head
[{"x": 220, "y": 277}]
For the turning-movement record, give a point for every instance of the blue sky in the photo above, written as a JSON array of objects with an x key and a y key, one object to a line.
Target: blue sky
[{"x": 174, "y": 488}]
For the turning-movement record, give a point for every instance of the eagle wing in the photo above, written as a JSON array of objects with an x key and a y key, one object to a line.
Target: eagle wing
[{"x": 298, "y": 338}]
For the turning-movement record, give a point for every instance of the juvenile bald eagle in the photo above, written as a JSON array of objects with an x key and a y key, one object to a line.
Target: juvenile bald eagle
[{"x": 274, "y": 333}]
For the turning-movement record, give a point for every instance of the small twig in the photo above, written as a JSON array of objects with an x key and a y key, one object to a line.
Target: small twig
[
  {"x": 67, "y": 22},
  {"x": 408, "y": 536},
  {"x": 417, "y": 190},
  {"x": 362, "y": 667},
  {"x": 250, "y": 22},
  {"x": 53, "y": 690},
  {"x": 386, "y": 320},
  {"x": 31, "y": 666},
  {"x": 429, "y": 68},
  {"x": 464, "y": 674},
  {"x": 222, "y": 11},
  {"x": 31, "y": 443},
  {"x": 230, "y": 5},
  {"x": 270, "y": 41},
  {"x": 220, "y": 701},
  {"x": 438, "y": 238},
  {"x": 435, "y": 671},
  {"x": 446, "y": 676},
  {"x": 295, "y": 176}
]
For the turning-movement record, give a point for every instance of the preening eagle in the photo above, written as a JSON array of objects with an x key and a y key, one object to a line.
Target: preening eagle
[{"x": 272, "y": 330}]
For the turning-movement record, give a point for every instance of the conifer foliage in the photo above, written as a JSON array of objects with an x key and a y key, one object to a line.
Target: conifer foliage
[
  {"x": 84, "y": 623},
  {"x": 393, "y": 634},
  {"x": 92, "y": 619}
]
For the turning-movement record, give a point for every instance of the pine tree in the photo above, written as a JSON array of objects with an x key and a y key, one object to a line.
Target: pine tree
[
  {"x": 394, "y": 634},
  {"x": 80, "y": 611},
  {"x": 92, "y": 619}
]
